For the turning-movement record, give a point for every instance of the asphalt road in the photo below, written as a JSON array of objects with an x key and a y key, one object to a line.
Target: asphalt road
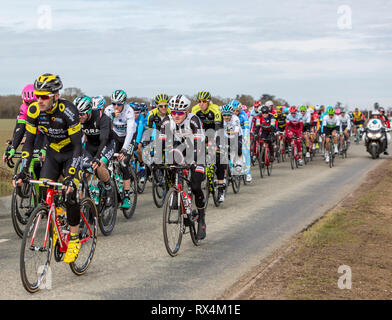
[{"x": 133, "y": 263}]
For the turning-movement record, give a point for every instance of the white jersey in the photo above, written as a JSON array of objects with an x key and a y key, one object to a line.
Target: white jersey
[
  {"x": 333, "y": 122},
  {"x": 346, "y": 121},
  {"x": 124, "y": 125},
  {"x": 232, "y": 127}
]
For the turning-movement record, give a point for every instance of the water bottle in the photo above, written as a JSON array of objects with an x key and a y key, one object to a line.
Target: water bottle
[{"x": 187, "y": 202}]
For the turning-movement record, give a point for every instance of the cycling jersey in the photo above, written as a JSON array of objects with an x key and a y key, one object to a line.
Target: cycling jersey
[
  {"x": 265, "y": 124},
  {"x": 244, "y": 120},
  {"x": 141, "y": 125},
  {"x": 98, "y": 132},
  {"x": 331, "y": 124},
  {"x": 185, "y": 134},
  {"x": 232, "y": 130},
  {"x": 154, "y": 120},
  {"x": 294, "y": 123},
  {"x": 280, "y": 121},
  {"x": 358, "y": 116},
  {"x": 211, "y": 118},
  {"x": 20, "y": 129},
  {"x": 62, "y": 129},
  {"x": 124, "y": 125},
  {"x": 345, "y": 121}
]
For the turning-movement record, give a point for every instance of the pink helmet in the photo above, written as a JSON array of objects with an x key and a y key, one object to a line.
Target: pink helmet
[
  {"x": 337, "y": 111},
  {"x": 244, "y": 107},
  {"x": 28, "y": 93}
]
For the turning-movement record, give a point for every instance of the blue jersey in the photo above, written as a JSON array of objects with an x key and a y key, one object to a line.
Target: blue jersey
[
  {"x": 141, "y": 123},
  {"x": 244, "y": 120}
]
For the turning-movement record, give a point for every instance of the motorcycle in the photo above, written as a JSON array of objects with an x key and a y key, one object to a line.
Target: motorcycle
[{"x": 376, "y": 139}]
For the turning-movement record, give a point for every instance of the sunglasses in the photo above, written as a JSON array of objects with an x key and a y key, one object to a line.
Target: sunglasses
[
  {"x": 162, "y": 106},
  {"x": 177, "y": 113},
  {"x": 203, "y": 101},
  {"x": 117, "y": 104},
  {"x": 44, "y": 97},
  {"x": 227, "y": 115}
]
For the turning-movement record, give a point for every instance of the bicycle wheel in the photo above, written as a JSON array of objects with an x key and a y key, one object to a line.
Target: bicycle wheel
[
  {"x": 159, "y": 187},
  {"x": 236, "y": 183},
  {"x": 173, "y": 222},
  {"x": 107, "y": 215},
  {"x": 35, "y": 256},
  {"x": 261, "y": 162},
  {"x": 21, "y": 208},
  {"x": 292, "y": 158},
  {"x": 88, "y": 231},
  {"x": 128, "y": 213},
  {"x": 141, "y": 185},
  {"x": 193, "y": 228},
  {"x": 269, "y": 167}
]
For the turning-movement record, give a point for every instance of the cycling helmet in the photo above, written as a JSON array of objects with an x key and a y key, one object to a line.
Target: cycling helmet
[
  {"x": 76, "y": 100},
  {"x": 227, "y": 108},
  {"x": 179, "y": 103},
  {"x": 119, "y": 96},
  {"x": 47, "y": 83},
  {"x": 203, "y": 95},
  {"x": 136, "y": 107},
  {"x": 331, "y": 110},
  {"x": 28, "y": 93},
  {"x": 244, "y": 108},
  {"x": 302, "y": 108},
  {"x": 143, "y": 107},
  {"x": 293, "y": 109},
  {"x": 257, "y": 104},
  {"x": 286, "y": 110},
  {"x": 235, "y": 103},
  {"x": 162, "y": 97},
  {"x": 269, "y": 104},
  {"x": 98, "y": 102},
  {"x": 337, "y": 111},
  {"x": 279, "y": 108},
  {"x": 264, "y": 109},
  {"x": 84, "y": 104}
]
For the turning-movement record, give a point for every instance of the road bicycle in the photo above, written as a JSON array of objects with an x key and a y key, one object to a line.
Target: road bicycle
[
  {"x": 293, "y": 152},
  {"x": 25, "y": 198},
  {"x": 331, "y": 152},
  {"x": 210, "y": 185},
  {"x": 233, "y": 176},
  {"x": 178, "y": 216},
  {"x": 264, "y": 157},
  {"x": 95, "y": 189},
  {"x": 47, "y": 231},
  {"x": 114, "y": 167}
]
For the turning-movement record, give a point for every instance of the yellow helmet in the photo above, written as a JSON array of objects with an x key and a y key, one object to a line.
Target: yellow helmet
[{"x": 47, "y": 83}]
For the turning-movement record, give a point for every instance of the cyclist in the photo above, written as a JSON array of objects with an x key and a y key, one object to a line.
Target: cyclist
[
  {"x": 384, "y": 118},
  {"x": 306, "y": 118},
  {"x": 124, "y": 127},
  {"x": 99, "y": 147},
  {"x": 270, "y": 106},
  {"x": 156, "y": 115},
  {"x": 331, "y": 127},
  {"x": 346, "y": 126},
  {"x": 315, "y": 127},
  {"x": 280, "y": 121},
  {"x": 211, "y": 117},
  {"x": 263, "y": 127},
  {"x": 294, "y": 127},
  {"x": 58, "y": 119},
  {"x": 99, "y": 103},
  {"x": 182, "y": 128},
  {"x": 359, "y": 119},
  {"x": 28, "y": 97},
  {"x": 245, "y": 126}
]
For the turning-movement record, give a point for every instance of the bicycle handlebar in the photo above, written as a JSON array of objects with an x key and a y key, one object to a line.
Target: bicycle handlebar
[{"x": 46, "y": 183}]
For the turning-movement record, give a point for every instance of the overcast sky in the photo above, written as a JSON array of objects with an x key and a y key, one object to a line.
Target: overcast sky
[{"x": 303, "y": 51}]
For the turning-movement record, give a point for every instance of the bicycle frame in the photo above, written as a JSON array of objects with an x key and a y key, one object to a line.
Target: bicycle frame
[{"x": 63, "y": 235}]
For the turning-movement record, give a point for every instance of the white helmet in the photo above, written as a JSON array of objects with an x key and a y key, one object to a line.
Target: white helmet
[
  {"x": 179, "y": 103},
  {"x": 269, "y": 103}
]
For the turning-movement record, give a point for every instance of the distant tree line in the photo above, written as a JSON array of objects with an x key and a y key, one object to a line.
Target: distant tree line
[{"x": 9, "y": 104}]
